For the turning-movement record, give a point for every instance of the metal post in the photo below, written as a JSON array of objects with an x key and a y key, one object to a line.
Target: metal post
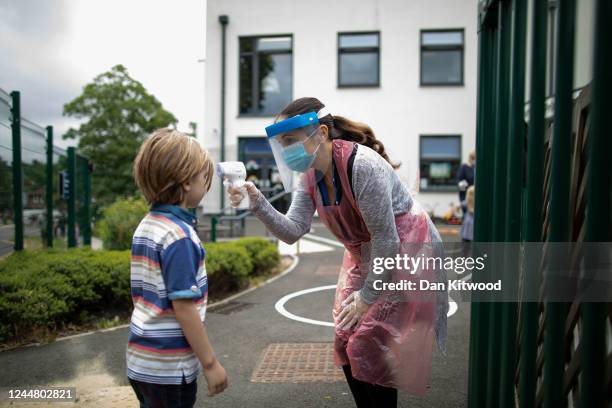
[
  {"x": 594, "y": 315},
  {"x": 223, "y": 20},
  {"x": 17, "y": 170},
  {"x": 49, "y": 187},
  {"x": 533, "y": 209},
  {"x": 72, "y": 242},
  {"x": 213, "y": 229},
  {"x": 499, "y": 193},
  {"x": 86, "y": 211},
  {"x": 514, "y": 189},
  {"x": 556, "y": 312},
  {"x": 479, "y": 311}
]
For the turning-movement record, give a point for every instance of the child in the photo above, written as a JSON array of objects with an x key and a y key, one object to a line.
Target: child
[
  {"x": 168, "y": 341},
  {"x": 467, "y": 227}
]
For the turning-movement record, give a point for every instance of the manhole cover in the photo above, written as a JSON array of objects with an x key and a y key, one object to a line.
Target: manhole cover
[
  {"x": 328, "y": 270},
  {"x": 231, "y": 307},
  {"x": 297, "y": 363}
]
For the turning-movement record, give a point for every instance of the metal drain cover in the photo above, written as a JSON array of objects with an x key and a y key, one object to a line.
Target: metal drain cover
[
  {"x": 297, "y": 363},
  {"x": 232, "y": 307}
]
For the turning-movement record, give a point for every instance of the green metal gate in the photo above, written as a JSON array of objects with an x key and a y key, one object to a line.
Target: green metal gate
[
  {"x": 549, "y": 180},
  {"x": 33, "y": 214}
]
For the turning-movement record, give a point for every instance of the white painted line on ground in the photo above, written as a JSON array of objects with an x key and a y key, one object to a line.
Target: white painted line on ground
[
  {"x": 452, "y": 307},
  {"x": 324, "y": 240},
  {"x": 280, "y": 306},
  {"x": 306, "y": 246}
]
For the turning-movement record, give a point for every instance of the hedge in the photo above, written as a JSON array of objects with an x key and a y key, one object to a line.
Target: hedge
[
  {"x": 47, "y": 289},
  {"x": 119, "y": 221}
]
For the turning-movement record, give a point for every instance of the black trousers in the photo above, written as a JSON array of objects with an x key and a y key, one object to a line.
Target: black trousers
[
  {"x": 165, "y": 396},
  {"x": 368, "y": 395}
]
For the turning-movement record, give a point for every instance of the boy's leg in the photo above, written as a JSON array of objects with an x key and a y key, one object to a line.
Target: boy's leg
[
  {"x": 165, "y": 396},
  {"x": 142, "y": 392},
  {"x": 182, "y": 396}
]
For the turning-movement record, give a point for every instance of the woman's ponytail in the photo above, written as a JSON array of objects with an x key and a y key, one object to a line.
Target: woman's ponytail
[
  {"x": 339, "y": 126},
  {"x": 361, "y": 133}
]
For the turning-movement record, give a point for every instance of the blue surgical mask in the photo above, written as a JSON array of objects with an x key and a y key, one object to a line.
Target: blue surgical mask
[{"x": 297, "y": 158}]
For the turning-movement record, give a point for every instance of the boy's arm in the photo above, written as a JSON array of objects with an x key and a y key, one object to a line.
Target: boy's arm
[{"x": 188, "y": 317}]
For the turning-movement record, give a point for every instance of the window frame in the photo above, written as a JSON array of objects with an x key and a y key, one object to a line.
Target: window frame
[
  {"x": 461, "y": 48},
  {"x": 441, "y": 189},
  {"x": 255, "y": 65},
  {"x": 340, "y": 51}
]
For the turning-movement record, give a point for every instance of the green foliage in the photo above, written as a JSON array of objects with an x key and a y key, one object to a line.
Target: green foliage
[
  {"x": 117, "y": 114},
  {"x": 262, "y": 252},
  {"x": 43, "y": 289},
  {"x": 227, "y": 266},
  {"x": 47, "y": 289},
  {"x": 119, "y": 221}
]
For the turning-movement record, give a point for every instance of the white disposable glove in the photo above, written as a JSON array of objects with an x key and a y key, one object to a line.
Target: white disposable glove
[{"x": 237, "y": 194}]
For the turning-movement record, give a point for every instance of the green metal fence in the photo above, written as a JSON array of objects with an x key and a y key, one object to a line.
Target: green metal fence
[
  {"x": 33, "y": 213},
  {"x": 549, "y": 179}
]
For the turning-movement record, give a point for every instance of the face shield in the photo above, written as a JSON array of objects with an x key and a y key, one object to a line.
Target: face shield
[{"x": 296, "y": 145}]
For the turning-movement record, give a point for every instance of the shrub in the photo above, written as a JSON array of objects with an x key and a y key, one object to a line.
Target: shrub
[
  {"x": 47, "y": 289},
  {"x": 263, "y": 253},
  {"x": 228, "y": 266},
  {"x": 119, "y": 221}
]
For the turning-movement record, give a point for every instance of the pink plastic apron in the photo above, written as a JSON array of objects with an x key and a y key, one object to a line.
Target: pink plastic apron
[{"x": 393, "y": 344}]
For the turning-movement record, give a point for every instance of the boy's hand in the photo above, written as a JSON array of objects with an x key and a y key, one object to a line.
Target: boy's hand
[{"x": 216, "y": 378}]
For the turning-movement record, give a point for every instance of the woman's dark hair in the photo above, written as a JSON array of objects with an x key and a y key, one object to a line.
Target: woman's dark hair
[{"x": 339, "y": 126}]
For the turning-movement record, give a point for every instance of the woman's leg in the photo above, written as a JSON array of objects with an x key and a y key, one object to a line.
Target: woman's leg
[
  {"x": 382, "y": 396},
  {"x": 359, "y": 389},
  {"x": 368, "y": 395}
]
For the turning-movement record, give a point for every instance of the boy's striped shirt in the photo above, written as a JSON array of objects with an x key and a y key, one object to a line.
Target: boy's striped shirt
[{"x": 167, "y": 263}]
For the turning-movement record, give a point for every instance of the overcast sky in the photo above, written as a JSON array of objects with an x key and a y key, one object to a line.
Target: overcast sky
[{"x": 49, "y": 49}]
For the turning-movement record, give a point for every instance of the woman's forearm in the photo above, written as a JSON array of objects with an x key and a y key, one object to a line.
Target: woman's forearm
[{"x": 288, "y": 228}]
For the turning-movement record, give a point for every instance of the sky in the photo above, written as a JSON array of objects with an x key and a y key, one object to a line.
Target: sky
[{"x": 50, "y": 49}]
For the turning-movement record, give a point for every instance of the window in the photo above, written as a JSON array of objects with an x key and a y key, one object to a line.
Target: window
[
  {"x": 265, "y": 75},
  {"x": 358, "y": 59},
  {"x": 441, "y": 57},
  {"x": 440, "y": 158}
]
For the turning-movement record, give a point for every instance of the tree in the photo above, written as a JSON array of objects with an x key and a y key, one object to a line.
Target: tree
[{"x": 117, "y": 114}]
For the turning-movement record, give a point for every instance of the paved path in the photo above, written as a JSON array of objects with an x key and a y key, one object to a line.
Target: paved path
[{"x": 95, "y": 363}]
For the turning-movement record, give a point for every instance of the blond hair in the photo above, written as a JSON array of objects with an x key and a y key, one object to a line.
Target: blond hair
[
  {"x": 469, "y": 198},
  {"x": 165, "y": 161}
]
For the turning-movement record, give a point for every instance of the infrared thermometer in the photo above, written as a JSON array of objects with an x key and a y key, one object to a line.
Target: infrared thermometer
[{"x": 233, "y": 173}]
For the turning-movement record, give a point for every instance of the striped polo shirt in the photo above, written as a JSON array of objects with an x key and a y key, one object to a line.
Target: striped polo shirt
[{"x": 167, "y": 263}]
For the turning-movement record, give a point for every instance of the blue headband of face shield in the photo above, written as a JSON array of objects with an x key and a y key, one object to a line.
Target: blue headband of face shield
[{"x": 296, "y": 122}]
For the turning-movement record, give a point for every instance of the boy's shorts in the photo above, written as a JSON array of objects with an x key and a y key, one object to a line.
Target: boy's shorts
[{"x": 165, "y": 395}]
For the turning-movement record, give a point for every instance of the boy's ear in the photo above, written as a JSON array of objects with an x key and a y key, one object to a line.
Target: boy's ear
[{"x": 186, "y": 186}]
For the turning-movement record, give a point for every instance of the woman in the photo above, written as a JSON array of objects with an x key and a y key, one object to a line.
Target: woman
[{"x": 383, "y": 339}]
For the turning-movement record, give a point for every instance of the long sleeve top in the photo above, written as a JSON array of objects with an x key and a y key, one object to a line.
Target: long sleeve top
[{"x": 379, "y": 194}]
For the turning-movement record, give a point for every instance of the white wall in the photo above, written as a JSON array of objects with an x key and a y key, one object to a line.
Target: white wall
[{"x": 398, "y": 111}]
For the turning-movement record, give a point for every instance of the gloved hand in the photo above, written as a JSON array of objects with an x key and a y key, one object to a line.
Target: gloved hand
[
  {"x": 237, "y": 194},
  {"x": 354, "y": 308},
  {"x": 463, "y": 185}
]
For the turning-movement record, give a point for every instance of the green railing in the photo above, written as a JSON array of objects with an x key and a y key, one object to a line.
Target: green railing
[
  {"x": 33, "y": 212},
  {"x": 216, "y": 220},
  {"x": 528, "y": 354}
]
